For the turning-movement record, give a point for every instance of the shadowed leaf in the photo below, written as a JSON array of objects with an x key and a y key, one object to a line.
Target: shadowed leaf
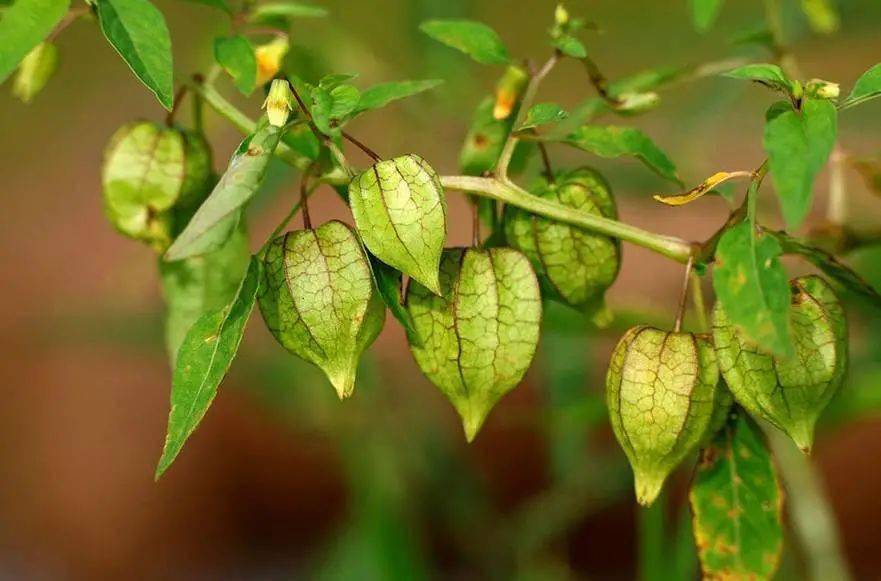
[
  {"x": 475, "y": 39},
  {"x": 737, "y": 505},
  {"x": 137, "y": 30},
  {"x": 798, "y": 146},
  {"x": 236, "y": 55},
  {"x": 203, "y": 361},
  {"x": 217, "y": 216},
  {"x": 611, "y": 141},
  {"x": 752, "y": 286},
  {"x": 24, "y": 25}
]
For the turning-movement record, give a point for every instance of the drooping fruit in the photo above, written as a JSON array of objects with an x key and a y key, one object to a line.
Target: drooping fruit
[
  {"x": 401, "y": 214},
  {"x": 320, "y": 301},
  {"x": 574, "y": 266},
  {"x": 480, "y": 333},
  {"x": 789, "y": 392},
  {"x": 660, "y": 390},
  {"x": 148, "y": 170}
]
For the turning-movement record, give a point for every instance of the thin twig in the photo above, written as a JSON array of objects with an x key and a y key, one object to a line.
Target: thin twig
[
  {"x": 175, "y": 107},
  {"x": 72, "y": 16},
  {"x": 525, "y": 103},
  {"x": 697, "y": 298},
  {"x": 680, "y": 314},
  {"x": 475, "y": 224},
  {"x": 836, "y": 212},
  {"x": 351, "y": 139},
  {"x": 304, "y": 201},
  {"x": 546, "y": 160},
  {"x": 599, "y": 82}
]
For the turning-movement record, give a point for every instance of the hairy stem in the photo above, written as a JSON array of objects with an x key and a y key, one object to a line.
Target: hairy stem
[{"x": 509, "y": 193}]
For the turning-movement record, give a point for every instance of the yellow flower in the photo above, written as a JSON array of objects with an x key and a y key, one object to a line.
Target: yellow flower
[
  {"x": 278, "y": 103},
  {"x": 269, "y": 58}
]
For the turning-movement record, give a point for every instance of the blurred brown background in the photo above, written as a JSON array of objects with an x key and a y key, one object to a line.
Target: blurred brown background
[{"x": 283, "y": 481}]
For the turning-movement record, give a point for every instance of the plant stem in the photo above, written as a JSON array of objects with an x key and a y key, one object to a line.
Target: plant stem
[
  {"x": 509, "y": 193},
  {"x": 175, "y": 107},
  {"x": 528, "y": 96},
  {"x": 812, "y": 516},
  {"x": 652, "y": 559},
  {"x": 242, "y": 122},
  {"x": 357, "y": 143},
  {"x": 669, "y": 246},
  {"x": 700, "y": 308},
  {"x": 683, "y": 297},
  {"x": 836, "y": 213}
]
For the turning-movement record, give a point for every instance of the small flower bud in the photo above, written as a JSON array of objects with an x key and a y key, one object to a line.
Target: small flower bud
[
  {"x": 278, "y": 103},
  {"x": 561, "y": 15},
  {"x": 637, "y": 102},
  {"x": 34, "y": 71},
  {"x": 269, "y": 58},
  {"x": 509, "y": 91},
  {"x": 823, "y": 89}
]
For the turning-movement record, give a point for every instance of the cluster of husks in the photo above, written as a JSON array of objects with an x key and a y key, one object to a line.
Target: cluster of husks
[
  {"x": 477, "y": 311},
  {"x": 665, "y": 398},
  {"x": 154, "y": 178}
]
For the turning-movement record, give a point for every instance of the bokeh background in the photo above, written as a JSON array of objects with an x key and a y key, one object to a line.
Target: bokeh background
[{"x": 284, "y": 481}]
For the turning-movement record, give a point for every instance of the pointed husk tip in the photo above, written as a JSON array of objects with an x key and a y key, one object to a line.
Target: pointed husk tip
[
  {"x": 802, "y": 434},
  {"x": 648, "y": 487}
]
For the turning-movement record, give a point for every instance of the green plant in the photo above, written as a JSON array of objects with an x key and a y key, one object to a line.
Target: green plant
[{"x": 472, "y": 315}]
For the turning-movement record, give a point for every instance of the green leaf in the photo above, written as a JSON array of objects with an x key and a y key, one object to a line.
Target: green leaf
[
  {"x": 737, "y": 505},
  {"x": 217, "y": 216},
  {"x": 612, "y": 141},
  {"x": 285, "y": 10},
  {"x": 569, "y": 46},
  {"x": 480, "y": 331},
  {"x": 831, "y": 266},
  {"x": 320, "y": 301},
  {"x": 35, "y": 71},
  {"x": 704, "y": 13},
  {"x": 752, "y": 286},
  {"x": 389, "y": 283},
  {"x": 798, "y": 146},
  {"x": 201, "y": 284},
  {"x": 137, "y": 30},
  {"x": 475, "y": 39},
  {"x": 381, "y": 95},
  {"x": 219, "y": 4},
  {"x": 822, "y": 15},
  {"x": 236, "y": 55},
  {"x": 867, "y": 87},
  {"x": 766, "y": 74},
  {"x": 542, "y": 114},
  {"x": 23, "y": 26},
  {"x": 331, "y": 106},
  {"x": 400, "y": 210},
  {"x": 203, "y": 361}
]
